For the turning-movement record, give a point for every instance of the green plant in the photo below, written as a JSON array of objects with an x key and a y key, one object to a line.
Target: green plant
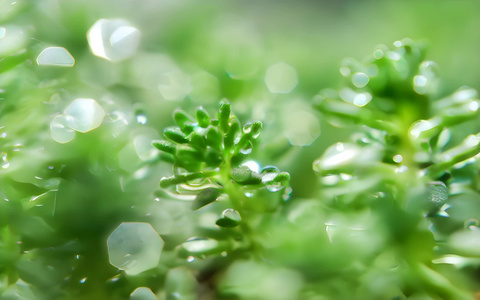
[
  {"x": 209, "y": 158},
  {"x": 390, "y": 209},
  {"x": 404, "y": 164}
]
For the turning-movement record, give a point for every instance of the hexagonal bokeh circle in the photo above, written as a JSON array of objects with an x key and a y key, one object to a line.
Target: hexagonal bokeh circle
[{"x": 134, "y": 247}]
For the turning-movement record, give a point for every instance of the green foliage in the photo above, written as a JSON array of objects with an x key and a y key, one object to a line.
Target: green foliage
[
  {"x": 210, "y": 163},
  {"x": 109, "y": 191}
]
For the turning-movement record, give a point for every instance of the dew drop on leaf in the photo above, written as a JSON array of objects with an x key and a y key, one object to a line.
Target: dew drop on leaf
[
  {"x": 84, "y": 114},
  {"x": 55, "y": 56},
  {"x": 60, "y": 131},
  {"x": 113, "y": 39},
  {"x": 142, "y": 293},
  {"x": 134, "y": 247}
]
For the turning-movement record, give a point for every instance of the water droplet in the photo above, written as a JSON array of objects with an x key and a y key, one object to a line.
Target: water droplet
[
  {"x": 5, "y": 163},
  {"x": 378, "y": 53},
  {"x": 113, "y": 39},
  {"x": 464, "y": 94},
  {"x": 141, "y": 119},
  {"x": 249, "y": 195},
  {"x": 134, "y": 247},
  {"x": 84, "y": 114},
  {"x": 55, "y": 56},
  {"x": 142, "y": 293},
  {"x": 269, "y": 173},
  {"x": 337, "y": 155},
  {"x": 247, "y": 149},
  {"x": 83, "y": 280},
  {"x": 190, "y": 259},
  {"x": 281, "y": 78},
  {"x": 3, "y": 135},
  {"x": 345, "y": 71},
  {"x": 346, "y": 177},
  {"x": 472, "y": 224},
  {"x": 397, "y": 158},
  {"x": 426, "y": 82},
  {"x": 401, "y": 169},
  {"x": 197, "y": 245},
  {"x": 287, "y": 194},
  {"x": 3, "y": 31},
  {"x": 362, "y": 99},
  {"x": 444, "y": 138},
  {"x": 360, "y": 79},
  {"x": 252, "y": 165},
  {"x": 60, "y": 131},
  {"x": 473, "y": 106},
  {"x": 13, "y": 40},
  {"x": 422, "y": 127}
]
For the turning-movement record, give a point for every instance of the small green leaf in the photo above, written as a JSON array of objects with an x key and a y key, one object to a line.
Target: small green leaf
[
  {"x": 202, "y": 247},
  {"x": 203, "y": 118},
  {"x": 213, "y": 157},
  {"x": 188, "y": 157},
  {"x": 174, "y": 134},
  {"x": 437, "y": 197},
  {"x": 224, "y": 117},
  {"x": 205, "y": 197},
  {"x": 230, "y": 218},
  {"x": 182, "y": 118},
  {"x": 214, "y": 138},
  {"x": 197, "y": 139},
  {"x": 233, "y": 133},
  {"x": 244, "y": 175},
  {"x": 164, "y": 146},
  {"x": 179, "y": 178}
]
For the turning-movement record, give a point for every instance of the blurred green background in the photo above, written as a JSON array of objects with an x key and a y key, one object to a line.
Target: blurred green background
[{"x": 191, "y": 53}]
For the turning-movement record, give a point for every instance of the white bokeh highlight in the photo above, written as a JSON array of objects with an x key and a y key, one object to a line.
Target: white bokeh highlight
[
  {"x": 134, "y": 247},
  {"x": 113, "y": 39},
  {"x": 55, "y": 56},
  {"x": 281, "y": 78}
]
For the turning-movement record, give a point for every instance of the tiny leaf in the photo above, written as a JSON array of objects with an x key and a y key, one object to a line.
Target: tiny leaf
[
  {"x": 205, "y": 197},
  {"x": 164, "y": 146},
  {"x": 437, "y": 196},
  {"x": 224, "y": 117},
  {"x": 175, "y": 135},
  {"x": 203, "y": 118},
  {"x": 231, "y": 218},
  {"x": 182, "y": 118},
  {"x": 244, "y": 175}
]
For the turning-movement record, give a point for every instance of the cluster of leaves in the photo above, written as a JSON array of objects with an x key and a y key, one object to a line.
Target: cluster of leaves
[
  {"x": 210, "y": 163},
  {"x": 404, "y": 163}
]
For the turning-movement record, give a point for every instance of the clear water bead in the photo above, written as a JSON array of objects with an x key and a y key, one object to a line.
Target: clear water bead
[
  {"x": 113, "y": 39},
  {"x": 134, "y": 247},
  {"x": 84, "y": 114},
  {"x": 60, "y": 131},
  {"x": 142, "y": 293},
  {"x": 55, "y": 56},
  {"x": 360, "y": 79},
  {"x": 281, "y": 78},
  {"x": 302, "y": 126}
]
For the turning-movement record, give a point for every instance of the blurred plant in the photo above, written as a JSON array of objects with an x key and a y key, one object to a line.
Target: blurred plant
[
  {"x": 401, "y": 166},
  {"x": 209, "y": 161}
]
